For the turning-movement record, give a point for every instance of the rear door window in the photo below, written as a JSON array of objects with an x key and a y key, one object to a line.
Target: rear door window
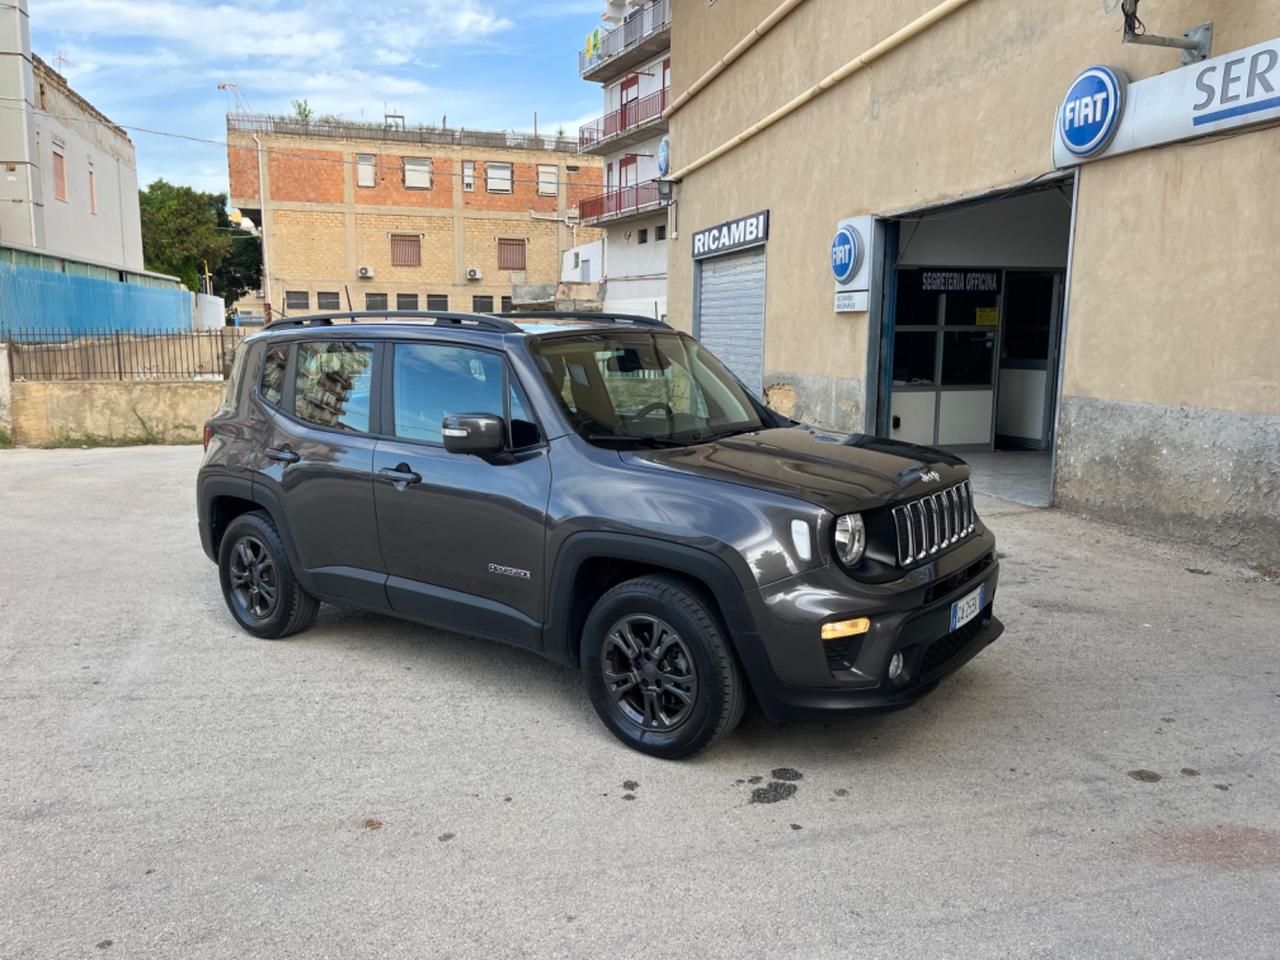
[{"x": 333, "y": 384}]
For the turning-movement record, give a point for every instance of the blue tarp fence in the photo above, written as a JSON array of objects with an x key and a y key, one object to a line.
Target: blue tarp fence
[{"x": 31, "y": 297}]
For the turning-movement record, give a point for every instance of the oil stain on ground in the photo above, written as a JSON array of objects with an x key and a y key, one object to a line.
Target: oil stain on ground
[
  {"x": 773, "y": 791},
  {"x": 788, "y": 774},
  {"x": 1144, "y": 776}
]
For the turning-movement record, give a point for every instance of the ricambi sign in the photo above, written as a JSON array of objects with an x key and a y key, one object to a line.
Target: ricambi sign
[
  {"x": 1102, "y": 116},
  {"x": 1091, "y": 111},
  {"x": 846, "y": 253},
  {"x": 731, "y": 235}
]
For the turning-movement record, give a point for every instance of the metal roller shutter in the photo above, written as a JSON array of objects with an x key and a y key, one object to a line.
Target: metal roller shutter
[{"x": 731, "y": 313}]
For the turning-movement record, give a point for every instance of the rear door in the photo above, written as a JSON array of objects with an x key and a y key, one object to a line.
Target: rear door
[
  {"x": 316, "y": 460},
  {"x": 462, "y": 535}
]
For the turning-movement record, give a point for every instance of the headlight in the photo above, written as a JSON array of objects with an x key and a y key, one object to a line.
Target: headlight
[{"x": 850, "y": 538}]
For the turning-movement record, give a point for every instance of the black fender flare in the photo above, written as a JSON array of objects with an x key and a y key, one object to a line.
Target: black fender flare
[
  {"x": 210, "y": 486},
  {"x": 701, "y": 565}
]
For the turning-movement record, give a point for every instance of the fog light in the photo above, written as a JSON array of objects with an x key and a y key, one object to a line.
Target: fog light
[
  {"x": 845, "y": 628},
  {"x": 895, "y": 667}
]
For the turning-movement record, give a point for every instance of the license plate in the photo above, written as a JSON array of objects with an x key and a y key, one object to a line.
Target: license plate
[{"x": 968, "y": 607}]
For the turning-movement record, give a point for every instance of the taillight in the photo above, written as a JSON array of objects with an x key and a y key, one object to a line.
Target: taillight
[{"x": 208, "y": 435}]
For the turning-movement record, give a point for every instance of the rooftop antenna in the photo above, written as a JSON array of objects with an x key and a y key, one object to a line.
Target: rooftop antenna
[
  {"x": 61, "y": 61},
  {"x": 242, "y": 105}
]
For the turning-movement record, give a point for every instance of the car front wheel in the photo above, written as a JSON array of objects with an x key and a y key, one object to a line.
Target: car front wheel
[{"x": 658, "y": 668}]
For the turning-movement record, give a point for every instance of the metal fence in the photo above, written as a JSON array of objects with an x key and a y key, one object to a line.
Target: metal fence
[
  {"x": 353, "y": 130},
  {"x": 51, "y": 354}
]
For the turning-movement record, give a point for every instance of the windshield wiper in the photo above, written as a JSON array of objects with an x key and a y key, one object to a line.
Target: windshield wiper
[{"x": 659, "y": 442}]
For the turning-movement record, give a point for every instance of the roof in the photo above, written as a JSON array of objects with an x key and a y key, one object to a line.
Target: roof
[
  {"x": 47, "y": 73},
  {"x": 533, "y": 324}
]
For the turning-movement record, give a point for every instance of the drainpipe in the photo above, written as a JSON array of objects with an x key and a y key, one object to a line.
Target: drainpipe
[
  {"x": 262, "y": 227},
  {"x": 886, "y": 45},
  {"x": 741, "y": 47}
]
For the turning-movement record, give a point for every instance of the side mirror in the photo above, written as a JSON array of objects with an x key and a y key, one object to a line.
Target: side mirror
[{"x": 473, "y": 433}]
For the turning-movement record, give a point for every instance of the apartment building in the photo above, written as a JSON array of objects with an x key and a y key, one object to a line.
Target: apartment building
[
  {"x": 384, "y": 216},
  {"x": 69, "y": 187},
  {"x": 632, "y": 62}
]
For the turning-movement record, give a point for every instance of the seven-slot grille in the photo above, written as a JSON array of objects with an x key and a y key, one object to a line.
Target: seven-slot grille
[{"x": 933, "y": 523}]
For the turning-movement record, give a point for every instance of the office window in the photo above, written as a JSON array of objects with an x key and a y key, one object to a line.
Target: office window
[
  {"x": 375, "y": 301},
  {"x": 328, "y": 300},
  {"x": 332, "y": 385},
  {"x": 406, "y": 250},
  {"x": 437, "y": 301},
  {"x": 548, "y": 180},
  {"x": 366, "y": 170},
  {"x": 660, "y": 232},
  {"x": 297, "y": 300},
  {"x": 497, "y": 177},
  {"x": 468, "y": 175},
  {"x": 406, "y": 301},
  {"x": 643, "y": 235},
  {"x": 507, "y": 305},
  {"x": 93, "y": 191},
  {"x": 482, "y": 304},
  {"x": 59, "y": 176},
  {"x": 417, "y": 173},
  {"x": 511, "y": 255}
]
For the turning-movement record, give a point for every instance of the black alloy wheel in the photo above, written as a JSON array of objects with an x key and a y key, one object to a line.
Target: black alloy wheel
[
  {"x": 649, "y": 672},
  {"x": 254, "y": 586}
]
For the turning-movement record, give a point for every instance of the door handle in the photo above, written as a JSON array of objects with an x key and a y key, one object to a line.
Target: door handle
[
  {"x": 401, "y": 475},
  {"x": 282, "y": 454}
]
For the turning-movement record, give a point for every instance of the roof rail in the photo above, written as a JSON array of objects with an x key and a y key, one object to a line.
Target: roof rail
[
  {"x": 482, "y": 321},
  {"x": 605, "y": 317}
]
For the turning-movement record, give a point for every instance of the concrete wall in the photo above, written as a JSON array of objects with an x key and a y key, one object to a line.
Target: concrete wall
[
  {"x": 1171, "y": 317},
  {"x": 46, "y": 413}
]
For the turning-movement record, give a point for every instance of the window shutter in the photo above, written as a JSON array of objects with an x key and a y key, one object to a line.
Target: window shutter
[
  {"x": 511, "y": 255},
  {"x": 406, "y": 250}
]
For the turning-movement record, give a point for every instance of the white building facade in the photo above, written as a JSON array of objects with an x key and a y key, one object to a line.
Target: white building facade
[
  {"x": 632, "y": 62},
  {"x": 68, "y": 175}
]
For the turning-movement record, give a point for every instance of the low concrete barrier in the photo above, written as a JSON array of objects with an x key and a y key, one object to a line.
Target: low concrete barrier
[{"x": 163, "y": 411}]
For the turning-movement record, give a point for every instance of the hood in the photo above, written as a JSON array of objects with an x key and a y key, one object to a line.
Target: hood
[{"x": 840, "y": 473}]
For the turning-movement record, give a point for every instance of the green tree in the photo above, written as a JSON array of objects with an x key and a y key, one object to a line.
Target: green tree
[
  {"x": 183, "y": 230},
  {"x": 301, "y": 110}
]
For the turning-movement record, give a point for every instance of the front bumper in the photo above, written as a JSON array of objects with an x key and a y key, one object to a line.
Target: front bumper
[{"x": 795, "y": 674}]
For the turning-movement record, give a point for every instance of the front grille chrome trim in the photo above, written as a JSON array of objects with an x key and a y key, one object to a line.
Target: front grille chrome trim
[{"x": 932, "y": 523}]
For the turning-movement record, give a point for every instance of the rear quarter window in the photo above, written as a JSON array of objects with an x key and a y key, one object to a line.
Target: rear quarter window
[{"x": 235, "y": 376}]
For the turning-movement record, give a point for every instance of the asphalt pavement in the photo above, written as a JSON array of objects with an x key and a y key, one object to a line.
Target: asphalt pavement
[{"x": 1101, "y": 782}]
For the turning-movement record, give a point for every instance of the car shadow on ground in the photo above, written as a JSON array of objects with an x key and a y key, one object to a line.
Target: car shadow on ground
[{"x": 499, "y": 670}]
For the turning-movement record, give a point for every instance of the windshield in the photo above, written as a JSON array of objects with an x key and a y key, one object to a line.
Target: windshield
[{"x": 645, "y": 387}]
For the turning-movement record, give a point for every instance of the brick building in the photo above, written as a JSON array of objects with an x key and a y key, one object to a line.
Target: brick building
[{"x": 405, "y": 218}]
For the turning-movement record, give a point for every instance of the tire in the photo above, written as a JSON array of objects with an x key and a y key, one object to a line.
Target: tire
[
  {"x": 251, "y": 562},
  {"x": 678, "y": 703}
]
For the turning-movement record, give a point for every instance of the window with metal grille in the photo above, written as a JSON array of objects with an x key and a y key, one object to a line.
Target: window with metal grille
[
  {"x": 497, "y": 177},
  {"x": 406, "y": 250},
  {"x": 437, "y": 301},
  {"x": 660, "y": 232},
  {"x": 468, "y": 175},
  {"x": 511, "y": 255},
  {"x": 366, "y": 170},
  {"x": 482, "y": 304},
  {"x": 328, "y": 300},
  {"x": 417, "y": 173},
  {"x": 375, "y": 301},
  {"x": 644, "y": 235},
  {"x": 507, "y": 306},
  {"x": 297, "y": 300},
  {"x": 548, "y": 180},
  {"x": 59, "y": 176},
  {"x": 406, "y": 301}
]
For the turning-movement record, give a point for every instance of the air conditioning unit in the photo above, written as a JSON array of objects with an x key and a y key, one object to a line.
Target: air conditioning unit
[
  {"x": 473, "y": 273},
  {"x": 364, "y": 273}
]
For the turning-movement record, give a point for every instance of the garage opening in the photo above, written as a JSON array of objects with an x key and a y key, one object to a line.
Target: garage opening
[
  {"x": 972, "y": 333},
  {"x": 729, "y": 315}
]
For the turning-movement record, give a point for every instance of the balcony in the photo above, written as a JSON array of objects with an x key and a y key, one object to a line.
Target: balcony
[
  {"x": 641, "y": 36},
  {"x": 635, "y": 121},
  {"x": 621, "y": 203}
]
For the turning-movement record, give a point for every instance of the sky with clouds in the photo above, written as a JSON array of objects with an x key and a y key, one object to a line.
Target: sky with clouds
[{"x": 485, "y": 64}]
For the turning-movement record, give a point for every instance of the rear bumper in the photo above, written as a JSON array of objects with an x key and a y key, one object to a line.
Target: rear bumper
[{"x": 794, "y": 673}]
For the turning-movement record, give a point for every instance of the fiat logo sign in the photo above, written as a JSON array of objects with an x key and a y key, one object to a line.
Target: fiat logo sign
[
  {"x": 846, "y": 254},
  {"x": 1090, "y": 112}
]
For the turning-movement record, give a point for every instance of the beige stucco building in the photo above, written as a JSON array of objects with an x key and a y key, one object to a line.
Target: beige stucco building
[
  {"x": 1114, "y": 308},
  {"x": 383, "y": 216}
]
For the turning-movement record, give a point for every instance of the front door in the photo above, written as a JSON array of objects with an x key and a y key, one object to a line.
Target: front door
[
  {"x": 462, "y": 535},
  {"x": 316, "y": 459}
]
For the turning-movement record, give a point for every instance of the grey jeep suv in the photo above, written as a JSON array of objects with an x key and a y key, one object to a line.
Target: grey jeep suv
[{"x": 600, "y": 490}]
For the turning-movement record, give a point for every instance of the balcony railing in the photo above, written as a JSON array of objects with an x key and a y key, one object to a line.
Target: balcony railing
[
  {"x": 652, "y": 18},
  {"x": 619, "y": 201},
  {"x": 631, "y": 115}
]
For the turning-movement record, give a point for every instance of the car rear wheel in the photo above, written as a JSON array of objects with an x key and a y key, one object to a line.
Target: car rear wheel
[
  {"x": 257, "y": 581},
  {"x": 659, "y": 670}
]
